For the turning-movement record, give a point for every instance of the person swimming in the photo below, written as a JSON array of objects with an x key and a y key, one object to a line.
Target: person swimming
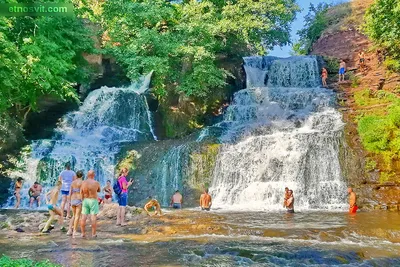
[{"x": 352, "y": 200}]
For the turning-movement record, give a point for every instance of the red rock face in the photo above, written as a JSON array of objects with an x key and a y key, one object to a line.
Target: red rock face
[{"x": 342, "y": 45}]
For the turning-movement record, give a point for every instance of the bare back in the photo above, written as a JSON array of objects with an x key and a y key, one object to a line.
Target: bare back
[
  {"x": 75, "y": 186},
  {"x": 343, "y": 65},
  {"x": 54, "y": 195},
  {"x": 177, "y": 198},
  {"x": 352, "y": 199},
  {"x": 90, "y": 188},
  {"x": 205, "y": 200}
]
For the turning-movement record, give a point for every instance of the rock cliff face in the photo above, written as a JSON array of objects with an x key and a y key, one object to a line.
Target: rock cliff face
[{"x": 373, "y": 191}]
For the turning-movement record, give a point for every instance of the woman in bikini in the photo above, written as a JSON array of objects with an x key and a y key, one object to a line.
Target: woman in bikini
[
  {"x": 324, "y": 76},
  {"x": 17, "y": 191},
  {"x": 108, "y": 192},
  {"x": 76, "y": 203}
]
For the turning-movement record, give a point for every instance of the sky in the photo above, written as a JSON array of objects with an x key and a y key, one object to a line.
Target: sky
[{"x": 298, "y": 24}]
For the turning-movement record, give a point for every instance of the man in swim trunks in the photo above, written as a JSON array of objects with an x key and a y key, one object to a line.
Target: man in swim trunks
[
  {"x": 286, "y": 197},
  {"x": 90, "y": 204},
  {"x": 66, "y": 177},
  {"x": 290, "y": 202},
  {"x": 176, "y": 200},
  {"x": 342, "y": 70},
  {"x": 53, "y": 209},
  {"x": 153, "y": 204},
  {"x": 352, "y": 201},
  {"x": 205, "y": 201},
  {"x": 108, "y": 192},
  {"x": 76, "y": 203},
  {"x": 34, "y": 192}
]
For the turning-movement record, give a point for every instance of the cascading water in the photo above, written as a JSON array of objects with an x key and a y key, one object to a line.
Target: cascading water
[
  {"x": 282, "y": 131},
  {"x": 90, "y": 137}
]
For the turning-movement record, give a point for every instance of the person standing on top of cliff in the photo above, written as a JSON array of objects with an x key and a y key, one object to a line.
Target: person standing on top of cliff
[
  {"x": 352, "y": 201},
  {"x": 342, "y": 70},
  {"x": 67, "y": 176},
  {"x": 324, "y": 76}
]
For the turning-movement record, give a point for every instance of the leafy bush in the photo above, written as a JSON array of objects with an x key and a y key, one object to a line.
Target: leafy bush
[
  {"x": 370, "y": 164},
  {"x": 355, "y": 80},
  {"x": 7, "y": 262},
  {"x": 331, "y": 64}
]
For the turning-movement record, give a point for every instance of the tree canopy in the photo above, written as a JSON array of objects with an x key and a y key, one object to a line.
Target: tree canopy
[
  {"x": 183, "y": 41},
  {"x": 382, "y": 25},
  {"x": 41, "y": 56}
]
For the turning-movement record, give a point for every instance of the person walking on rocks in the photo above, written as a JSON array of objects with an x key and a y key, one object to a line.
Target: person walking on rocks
[
  {"x": 53, "y": 209},
  {"x": 76, "y": 203},
  {"x": 342, "y": 70},
  {"x": 123, "y": 196},
  {"x": 90, "y": 204},
  {"x": 67, "y": 176}
]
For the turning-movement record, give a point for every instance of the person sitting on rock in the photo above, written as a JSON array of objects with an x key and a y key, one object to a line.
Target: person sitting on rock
[
  {"x": 153, "y": 205},
  {"x": 53, "y": 209},
  {"x": 34, "y": 192}
]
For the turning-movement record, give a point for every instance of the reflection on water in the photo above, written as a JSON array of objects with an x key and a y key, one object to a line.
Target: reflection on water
[{"x": 257, "y": 239}]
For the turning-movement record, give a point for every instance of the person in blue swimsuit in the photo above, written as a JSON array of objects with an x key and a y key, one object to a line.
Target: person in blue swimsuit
[
  {"x": 53, "y": 209},
  {"x": 342, "y": 70}
]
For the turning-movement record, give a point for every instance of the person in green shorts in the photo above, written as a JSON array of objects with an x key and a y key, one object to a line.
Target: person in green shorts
[{"x": 90, "y": 205}]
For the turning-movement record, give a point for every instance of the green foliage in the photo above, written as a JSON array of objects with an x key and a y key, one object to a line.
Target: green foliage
[
  {"x": 382, "y": 25},
  {"x": 355, "y": 80},
  {"x": 370, "y": 164},
  {"x": 369, "y": 97},
  {"x": 331, "y": 64},
  {"x": 7, "y": 262},
  {"x": 183, "y": 42},
  {"x": 319, "y": 18},
  {"x": 41, "y": 56}
]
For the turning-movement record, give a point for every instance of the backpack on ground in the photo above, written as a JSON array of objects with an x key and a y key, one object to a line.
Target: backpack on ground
[{"x": 117, "y": 187}]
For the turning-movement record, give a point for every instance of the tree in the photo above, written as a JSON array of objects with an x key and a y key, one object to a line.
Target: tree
[
  {"x": 183, "y": 42},
  {"x": 382, "y": 25},
  {"x": 40, "y": 56}
]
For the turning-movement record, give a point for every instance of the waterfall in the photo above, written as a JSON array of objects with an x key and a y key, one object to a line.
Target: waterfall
[
  {"x": 281, "y": 131},
  {"x": 89, "y": 138}
]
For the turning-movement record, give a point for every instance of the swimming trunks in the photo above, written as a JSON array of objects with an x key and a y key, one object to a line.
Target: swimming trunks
[
  {"x": 107, "y": 196},
  {"x": 123, "y": 199},
  {"x": 64, "y": 192},
  {"x": 90, "y": 206},
  {"x": 50, "y": 206},
  {"x": 353, "y": 209},
  {"x": 290, "y": 211},
  {"x": 76, "y": 202},
  {"x": 177, "y": 206},
  {"x": 342, "y": 71},
  {"x": 35, "y": 197},
  {"x": 207, "y": 209}
]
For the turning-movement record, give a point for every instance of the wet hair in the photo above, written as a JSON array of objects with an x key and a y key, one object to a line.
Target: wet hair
[
  {"x": 19, "y": 179},
  {"x": 68, "y": 165},
  {"x": 79, "y": 174},
  {"x": 206, "y": 190},
  {"x": 150, "y": 197},
  {"x": 108, "y": 181},
  {"x": 291, "y": 191},
  {"x": 286, "y": 188},
  {"x": 176, "y": 191},
  {"x": 36, "y": 182}
]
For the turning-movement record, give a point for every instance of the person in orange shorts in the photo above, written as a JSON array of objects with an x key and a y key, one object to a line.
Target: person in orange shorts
[{"x": 352, "y": 201}]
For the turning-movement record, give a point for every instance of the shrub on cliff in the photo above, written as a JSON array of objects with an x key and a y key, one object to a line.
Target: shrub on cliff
[{"x": 382, "y": 25}]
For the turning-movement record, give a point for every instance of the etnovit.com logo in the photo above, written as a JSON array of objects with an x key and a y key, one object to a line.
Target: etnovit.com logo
[{"x": 36, "y": 9}]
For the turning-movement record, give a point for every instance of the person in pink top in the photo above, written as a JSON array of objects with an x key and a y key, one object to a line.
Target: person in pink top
[{"x": 123, "y": 197}]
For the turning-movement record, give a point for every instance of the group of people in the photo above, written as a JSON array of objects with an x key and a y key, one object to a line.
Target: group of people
[{"x": 288, "y": 201}]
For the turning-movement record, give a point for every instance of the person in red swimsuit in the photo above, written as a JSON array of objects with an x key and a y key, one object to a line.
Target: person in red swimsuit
[
  {"x": 352, "y": 201},
  {"x": 108, "y": 192}
]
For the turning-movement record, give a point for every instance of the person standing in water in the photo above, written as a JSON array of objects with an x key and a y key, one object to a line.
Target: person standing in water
[
  {"x": 53, "y": 209},
  {"x": 66, "y": 177},
  {"x": 76, "y": 203},
  {"x": 17, "y": 191},
  {"x": 153, "y": 205},
  {"x": 324, "y": 76},
  {"x": 90, "y": 204},
  {"x": 286, "y": 197},
  {"x": 123, "y": 197},
  {"x": 205, "y": 200},
  {"x": 352, "y": 201},
  {"x": 108, "y": 192},
  {"x": 342, "y": 70},
  {"x": 177, "y": 200},
  {"x": 290, "y": 202},
  {"x": 34, "y": 192}
]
